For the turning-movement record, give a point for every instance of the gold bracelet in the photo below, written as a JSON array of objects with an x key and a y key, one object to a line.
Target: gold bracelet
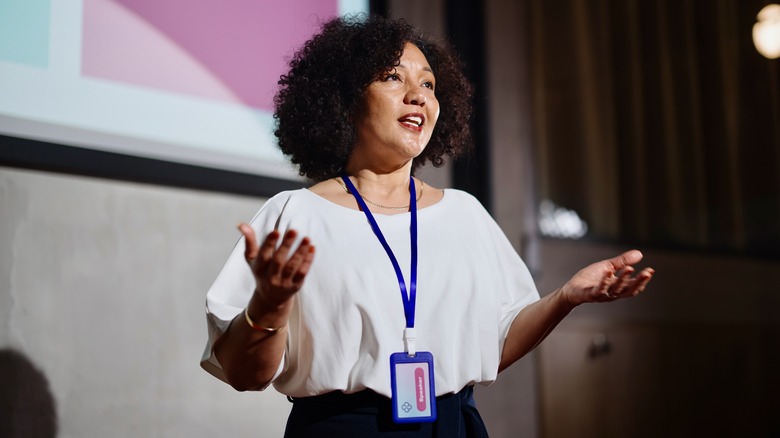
[{"x": 257, "y": 327}]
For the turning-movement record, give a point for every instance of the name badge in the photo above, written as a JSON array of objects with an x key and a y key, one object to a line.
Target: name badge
[{"x": 414, "y": 397}]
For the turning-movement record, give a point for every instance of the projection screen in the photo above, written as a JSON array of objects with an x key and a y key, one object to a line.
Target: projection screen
[{"x": 186, "y": 81}]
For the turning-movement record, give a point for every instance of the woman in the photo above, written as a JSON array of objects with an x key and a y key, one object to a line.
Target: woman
[{"x": 363, "y": 105}]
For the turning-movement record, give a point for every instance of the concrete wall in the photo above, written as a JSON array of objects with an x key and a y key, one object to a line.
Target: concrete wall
[{"x": 102, "y": 288}]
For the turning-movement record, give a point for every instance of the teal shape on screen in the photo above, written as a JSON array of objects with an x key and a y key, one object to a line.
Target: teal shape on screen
[{"x": 24, "y": 31}]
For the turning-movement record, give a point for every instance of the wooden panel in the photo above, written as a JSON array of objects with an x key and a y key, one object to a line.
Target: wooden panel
[
  {"x": 599, "y": 381},
  {"x": 660, "y": 380}
]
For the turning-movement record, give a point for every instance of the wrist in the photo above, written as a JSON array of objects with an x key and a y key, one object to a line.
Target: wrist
[
  {"x": 565, "y": 300},
  {"x": 267, "y": 314},
  {"x": 258, "y": 327}
]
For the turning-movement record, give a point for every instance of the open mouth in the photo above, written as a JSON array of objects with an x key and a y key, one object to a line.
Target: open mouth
[{"x": 412, "y": 121}]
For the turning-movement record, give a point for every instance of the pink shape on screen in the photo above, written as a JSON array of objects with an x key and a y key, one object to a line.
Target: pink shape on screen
[{"x": 232, "y": 50}]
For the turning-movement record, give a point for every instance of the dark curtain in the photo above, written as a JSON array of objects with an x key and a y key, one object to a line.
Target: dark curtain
[{"x": 658, "y": 122}]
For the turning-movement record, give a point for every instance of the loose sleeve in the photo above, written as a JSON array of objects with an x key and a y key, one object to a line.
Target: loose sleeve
[
  {"x": 234, "y": 286},
  {"x": 517, "y": 286}
]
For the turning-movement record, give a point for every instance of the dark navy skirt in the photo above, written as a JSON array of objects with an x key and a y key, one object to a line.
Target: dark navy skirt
[{"x": 368, "y": 414}]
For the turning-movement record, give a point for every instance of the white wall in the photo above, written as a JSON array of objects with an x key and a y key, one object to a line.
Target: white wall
[{"x": 102, "y": 288}]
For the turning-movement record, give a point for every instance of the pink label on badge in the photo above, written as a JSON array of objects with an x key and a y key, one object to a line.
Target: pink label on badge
[{"x": 419, "y": 379}]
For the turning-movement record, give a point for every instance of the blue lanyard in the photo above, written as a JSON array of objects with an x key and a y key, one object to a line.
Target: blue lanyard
[{"x": 410, "y": 300}]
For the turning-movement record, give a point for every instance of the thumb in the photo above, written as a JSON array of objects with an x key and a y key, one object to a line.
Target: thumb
[
  {"x": 250, "y": 241},
  {"x": 628, "y": 258}
]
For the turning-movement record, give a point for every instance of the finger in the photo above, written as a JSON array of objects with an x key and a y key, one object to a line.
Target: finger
[
  {"x": 303, "y": 269},
  {"x": 279, "y": 257},
  {"x": 266, "y": 251},
  {"x": 623, "y": 279},
  {"x": 640, "y": 282},
  {"x": 250, "y": 241},
  {"x": 295, "y": 260},
  {"x": 606, "y": 282},
  {"x": 628, "y": 258}
]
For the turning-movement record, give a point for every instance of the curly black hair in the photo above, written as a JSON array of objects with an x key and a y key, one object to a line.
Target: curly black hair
[{"x": 319, "y": 97}]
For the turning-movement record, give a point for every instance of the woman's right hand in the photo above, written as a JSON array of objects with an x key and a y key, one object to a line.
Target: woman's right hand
[
  {"x": 279, "y": 272},
  {"x": 249, "y": 352}
]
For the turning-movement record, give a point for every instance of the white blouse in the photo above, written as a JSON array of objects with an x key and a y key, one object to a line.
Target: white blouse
[{"x": 348, "y": 317}]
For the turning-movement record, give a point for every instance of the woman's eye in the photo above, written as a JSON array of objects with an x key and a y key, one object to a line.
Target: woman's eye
[
  {"x": 392, "y": 77},
  {"x": 428, "y": 85}
]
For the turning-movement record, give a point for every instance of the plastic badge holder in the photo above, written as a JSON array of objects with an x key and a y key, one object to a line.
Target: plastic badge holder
[{"x": 414, "y": 397}]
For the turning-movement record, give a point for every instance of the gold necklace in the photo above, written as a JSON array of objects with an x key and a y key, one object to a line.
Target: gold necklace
[{"x": 405, "y": 207}]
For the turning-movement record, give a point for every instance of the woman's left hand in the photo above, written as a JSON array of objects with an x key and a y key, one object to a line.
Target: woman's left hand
[{"x": 607, "y": 280}]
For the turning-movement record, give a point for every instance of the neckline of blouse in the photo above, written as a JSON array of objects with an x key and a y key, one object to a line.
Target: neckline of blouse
[{"x": 382, "y": 215}]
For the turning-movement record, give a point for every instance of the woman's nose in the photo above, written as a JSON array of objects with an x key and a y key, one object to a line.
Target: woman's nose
[{"x": 414, "y": 97}]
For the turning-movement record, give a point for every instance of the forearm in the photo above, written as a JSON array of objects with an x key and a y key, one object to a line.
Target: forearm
[
  {"x": 532, "y": 325},
  {"x": 250, "y": 357}
]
